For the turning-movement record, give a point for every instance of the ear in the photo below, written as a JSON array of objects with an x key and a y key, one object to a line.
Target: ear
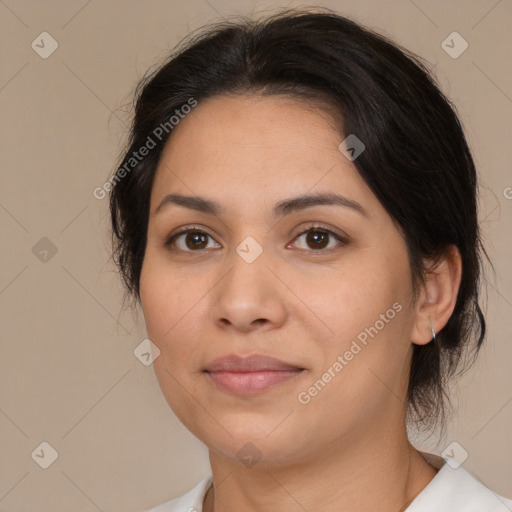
[{"x": 438, "y": 296}]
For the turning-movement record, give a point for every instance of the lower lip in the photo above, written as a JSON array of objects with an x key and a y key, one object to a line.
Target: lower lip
[{"x": 250, "y": 383}]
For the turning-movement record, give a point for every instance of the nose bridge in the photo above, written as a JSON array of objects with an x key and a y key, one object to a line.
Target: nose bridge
[
  {"x": 247, "y": 292},
  {"x": 247, "y": 276}
]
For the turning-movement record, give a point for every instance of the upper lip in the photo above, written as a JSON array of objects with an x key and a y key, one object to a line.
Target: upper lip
[{"x": 253, "y": 363}]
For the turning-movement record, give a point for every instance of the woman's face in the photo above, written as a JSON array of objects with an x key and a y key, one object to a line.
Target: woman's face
[{"x": 334, "y": 302}]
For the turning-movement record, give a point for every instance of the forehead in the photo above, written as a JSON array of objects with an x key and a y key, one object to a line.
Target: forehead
[{"x": 249, "y": 149}]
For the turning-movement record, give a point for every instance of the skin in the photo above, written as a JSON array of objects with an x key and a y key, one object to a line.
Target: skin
[{"x": 347, "y": 449}]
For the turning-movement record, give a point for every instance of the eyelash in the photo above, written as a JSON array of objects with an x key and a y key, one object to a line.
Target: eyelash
[{"x": 311, "y": 228}]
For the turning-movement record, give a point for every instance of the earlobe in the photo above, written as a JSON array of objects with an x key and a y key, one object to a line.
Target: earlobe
[{"x": 438, "y": 296}]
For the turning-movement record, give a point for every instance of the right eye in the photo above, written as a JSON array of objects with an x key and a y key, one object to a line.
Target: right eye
[{"x": 189, "y": 239}]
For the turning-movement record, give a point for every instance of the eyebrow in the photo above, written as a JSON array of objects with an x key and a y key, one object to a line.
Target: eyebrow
[{"x": 280, "y": 209}]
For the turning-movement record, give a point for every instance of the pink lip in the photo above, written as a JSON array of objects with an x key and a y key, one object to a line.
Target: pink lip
[{"x": 250, "y": 375}]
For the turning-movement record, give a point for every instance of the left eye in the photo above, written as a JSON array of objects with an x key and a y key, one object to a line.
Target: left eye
[{"x": 318, "y": 239}]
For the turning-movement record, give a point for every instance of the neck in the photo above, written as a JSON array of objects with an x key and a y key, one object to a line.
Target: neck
[{"x": 380, "y": 471}]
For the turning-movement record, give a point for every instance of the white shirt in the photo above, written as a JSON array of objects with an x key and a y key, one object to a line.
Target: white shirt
[{"x": 451, "y": 490}]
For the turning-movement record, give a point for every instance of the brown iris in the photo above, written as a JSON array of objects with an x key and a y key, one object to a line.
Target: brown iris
[
  {"x": 196, "y": 240},
  {"x": 317, "y": 239}
]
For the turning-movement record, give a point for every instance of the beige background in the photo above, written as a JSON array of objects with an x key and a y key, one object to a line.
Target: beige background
[{"x": 68, "y": 371}]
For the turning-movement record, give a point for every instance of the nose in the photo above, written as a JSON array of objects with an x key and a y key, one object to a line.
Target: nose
[{"x": 250, "y": 296}]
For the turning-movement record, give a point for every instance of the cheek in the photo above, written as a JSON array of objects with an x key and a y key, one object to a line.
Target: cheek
[
  {"x": 356, "y": 297},
  {"x": 162, "y": 300},
  {"x": 171, "y": 302},
  {"x": 366, "y": 309}
]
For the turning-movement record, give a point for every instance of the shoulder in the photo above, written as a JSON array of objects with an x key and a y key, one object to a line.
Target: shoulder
[
  {"x": 192, "y": 501},
  {"x": 456, "y": 490}
]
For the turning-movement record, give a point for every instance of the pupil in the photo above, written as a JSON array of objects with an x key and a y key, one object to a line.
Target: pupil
[
  {"x": 316, "y": 238},
  {"x": 194, "y": 237}
]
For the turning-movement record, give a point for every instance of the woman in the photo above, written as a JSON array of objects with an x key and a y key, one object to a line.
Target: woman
[{"x": 296, "y": 214}]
